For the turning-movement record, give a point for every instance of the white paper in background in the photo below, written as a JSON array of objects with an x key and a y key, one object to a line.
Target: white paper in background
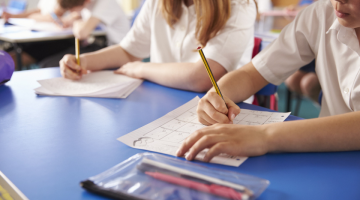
[
  {"x": 89, "y": 83},
  {"x": 37, "y": 26},
  {"x": 166, "y": 134}
]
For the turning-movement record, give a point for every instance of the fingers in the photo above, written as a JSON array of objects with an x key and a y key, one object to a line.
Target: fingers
[
  {"x": 205, "y": 119},
  {"x": 70, "y": 69},
  {"x": 234, "y": 109},
  {"x": 204, "y": 142},
  {"x": 190, "y": 141},
  {"x": 119, "y": 71},
  {"x": 222, "y": 147},
  {"x": 212, "y": 110},
  {"x": 217, "y": 102},
  {"x": 209, "y": 114}
]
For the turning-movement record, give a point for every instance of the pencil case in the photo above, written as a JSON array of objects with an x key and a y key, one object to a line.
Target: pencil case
[{"x": 154, "y": 176}]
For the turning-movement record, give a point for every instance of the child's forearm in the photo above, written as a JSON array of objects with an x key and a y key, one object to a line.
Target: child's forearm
[
  {"x": 242, "y": 83},
  {"x": 26, "y": 14},
  {"x": 107, "y": 58},
  {"x": 186, "y": 76},
  {"x": 335, "y": 133}
]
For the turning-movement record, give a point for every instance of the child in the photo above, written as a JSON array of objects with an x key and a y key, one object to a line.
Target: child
[
  {"x": 169, "y": 32},
  {"x": 36, "y": 52},
  {"x": 93, "y": 12},
  {"x": 328, "y": 31}
]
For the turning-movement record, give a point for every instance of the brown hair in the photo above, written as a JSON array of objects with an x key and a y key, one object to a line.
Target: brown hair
[
  {"x": 69, "y": 4},
  {"x": 211, "y": 15}
]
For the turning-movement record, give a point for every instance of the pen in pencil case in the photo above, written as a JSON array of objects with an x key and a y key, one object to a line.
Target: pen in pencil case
[
  {"x": 148, "y": 165},
  {"x": 218, "y": 190},
  {"x": 211, "y": 75}
]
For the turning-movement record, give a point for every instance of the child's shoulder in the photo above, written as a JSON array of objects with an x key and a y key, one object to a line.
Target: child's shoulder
[{"x": 320, "y": 12}]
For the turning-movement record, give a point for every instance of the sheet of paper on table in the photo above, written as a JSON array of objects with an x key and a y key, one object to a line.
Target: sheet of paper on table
[
  {"x": 103, "y": 84},
  {"x": 166, "y": 134},
  {"x": 38, "y": 26}
]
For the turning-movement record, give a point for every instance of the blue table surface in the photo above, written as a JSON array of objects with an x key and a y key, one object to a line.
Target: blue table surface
[{"x": 49, "y": 144}]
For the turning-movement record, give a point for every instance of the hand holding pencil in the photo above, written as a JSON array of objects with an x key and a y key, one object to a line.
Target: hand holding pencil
[
  {"x": 214, "y": 107},
  {"x": 70, "y": 65}
]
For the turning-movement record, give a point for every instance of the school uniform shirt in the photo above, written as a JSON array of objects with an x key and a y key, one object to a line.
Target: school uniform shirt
[
  {"x": 152, "y": 36},
  {"x": 316, "y": 33},
  {"x": 111, "y": 15},
  {"x": 47, "y": 6}
]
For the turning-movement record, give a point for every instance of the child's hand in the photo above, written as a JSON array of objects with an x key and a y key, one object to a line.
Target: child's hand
[
  {"x": 132, "y": 69},
  {"x": 79, "y": 30},
  {"x": 6, "y": 16},
  {"x": 70, "y": 69},
  {"x": 212, "y": 109},
  {"x": 232, "y": 139}
]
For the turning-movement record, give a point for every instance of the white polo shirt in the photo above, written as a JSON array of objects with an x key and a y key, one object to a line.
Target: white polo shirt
[
  {"x": 47, "y": 6},
  {"x": 316, "y": 33},
  {"x": 152, "y": 36},
  {"x": 111, "y": 15}
]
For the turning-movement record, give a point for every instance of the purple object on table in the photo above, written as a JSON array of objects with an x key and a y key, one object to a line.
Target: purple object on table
[{"x": 7, "y": 67}]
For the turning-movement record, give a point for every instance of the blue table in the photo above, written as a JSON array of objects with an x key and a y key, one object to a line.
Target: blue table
[{"x": 49, "y": 144}]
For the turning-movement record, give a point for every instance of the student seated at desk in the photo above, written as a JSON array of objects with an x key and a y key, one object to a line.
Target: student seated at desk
[
  {"x": 328, "y": 31},
  {"x": 93, "y": 13},
  {"x": 169, "y": 32},
  {"x": 37, "y": 51}
]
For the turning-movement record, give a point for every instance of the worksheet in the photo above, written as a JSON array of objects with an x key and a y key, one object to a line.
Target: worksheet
[{"x": 166, "y": 134}]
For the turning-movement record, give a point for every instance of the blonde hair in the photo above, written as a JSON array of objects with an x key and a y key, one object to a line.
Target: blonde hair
[{"x": 211, "y": 16}]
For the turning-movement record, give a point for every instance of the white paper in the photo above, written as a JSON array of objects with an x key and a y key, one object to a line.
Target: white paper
[
  {"x": 103, "y": 84},
  {"x": 166, "y": 134},
  {"x": 37, "y": 26}
]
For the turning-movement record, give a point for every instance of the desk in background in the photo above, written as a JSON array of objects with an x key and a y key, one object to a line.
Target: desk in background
[
  {"x": 18, "y": 35},
  {"x": 49, "y": 144}
]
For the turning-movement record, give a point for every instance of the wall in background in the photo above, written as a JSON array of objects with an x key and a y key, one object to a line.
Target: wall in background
[
  {"x": 127, "y": 4},
  {"x": 31, "y": 3}
]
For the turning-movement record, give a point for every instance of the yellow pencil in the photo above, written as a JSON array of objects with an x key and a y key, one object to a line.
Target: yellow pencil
[
  {"x": 211, "y": 76},
  {"x": 77, "y": 50}
]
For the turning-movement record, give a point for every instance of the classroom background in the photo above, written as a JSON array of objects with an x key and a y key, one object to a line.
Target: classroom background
[{"x": 266, "y": 25}]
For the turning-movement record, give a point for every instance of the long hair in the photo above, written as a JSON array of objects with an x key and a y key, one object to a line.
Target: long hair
[{"x": 211, "y": 16}]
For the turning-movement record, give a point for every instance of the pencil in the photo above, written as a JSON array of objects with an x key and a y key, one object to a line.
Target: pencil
[
  {"x": 211, "y": 76},
  {"x": 77, "y": 50}
]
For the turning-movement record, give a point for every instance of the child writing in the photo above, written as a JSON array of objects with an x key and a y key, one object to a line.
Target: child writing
[
  {"x": 45, "y": 11},
  {"x": 106, "y": 13},
  {"x": 328, "y": 30},
  {"x": 169, "y": 32}
]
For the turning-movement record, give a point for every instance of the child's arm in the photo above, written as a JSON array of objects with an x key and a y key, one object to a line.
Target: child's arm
[
  {"x": 82, "y": 29},
  {"x": 186, "y": 76},
  {"x": 107, "y": 58},
  {"x": 335, "y": 133},
  {"x": 25, "y": 14}
]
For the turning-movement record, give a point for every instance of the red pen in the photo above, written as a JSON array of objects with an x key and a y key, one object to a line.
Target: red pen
[{"x": 212, "y": 189}]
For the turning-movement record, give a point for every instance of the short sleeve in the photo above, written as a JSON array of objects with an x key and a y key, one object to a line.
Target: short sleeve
[
  {"x": 47, "y": 6},
  {"x": 137, "y": 41},
  {"x": 106, "y": 11},
  {"x": 291, "y": 50},
  {"x": 229, "y": 45}
]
